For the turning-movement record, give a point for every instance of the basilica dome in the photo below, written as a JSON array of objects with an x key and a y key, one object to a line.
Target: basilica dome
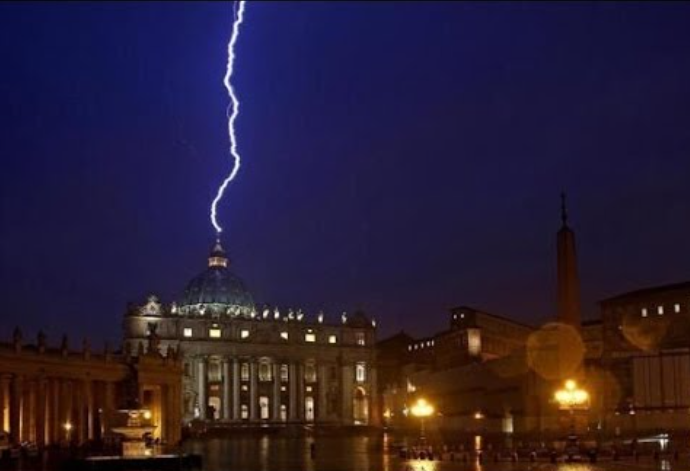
[{"x": 217, "y": 288}]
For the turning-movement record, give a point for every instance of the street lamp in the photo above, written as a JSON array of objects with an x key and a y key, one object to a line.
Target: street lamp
[
  {"x": 422, "y": 409},
  {"x": 572, "y": 398},
  {"x": 68, "y": 430}
]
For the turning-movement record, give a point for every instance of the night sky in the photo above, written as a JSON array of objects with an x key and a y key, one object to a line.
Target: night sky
[{"x": 399, "y": 158}]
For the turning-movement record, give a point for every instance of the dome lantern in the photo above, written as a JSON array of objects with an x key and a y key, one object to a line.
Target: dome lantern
[{"x": 217, "y": 257}]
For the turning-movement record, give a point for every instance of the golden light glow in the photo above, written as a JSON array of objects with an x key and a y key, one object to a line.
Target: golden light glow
[
  {"x": 422, "y": 408},
  {"x": 147, "y": 414},
  {"x": 387, "y": 414},
  {"x": 572, "y": 396},
  {"x": 68, "y": 426},
  {"x": 478, "y": 415}
]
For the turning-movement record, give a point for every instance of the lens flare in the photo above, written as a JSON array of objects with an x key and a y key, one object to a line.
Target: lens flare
[{"x": 234, "y": 111}]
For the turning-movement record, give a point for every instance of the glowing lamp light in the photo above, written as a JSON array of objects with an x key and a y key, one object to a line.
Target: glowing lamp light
[
  {"x": 422, "y": 408},
  {"x": 147, "y": 414},
  {"x": 572, "y": 397},
  {"x": 68, "y": 426}
]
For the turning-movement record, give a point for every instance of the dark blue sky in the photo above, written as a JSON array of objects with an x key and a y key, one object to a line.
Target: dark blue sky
[{"x": 402, "y": 158}]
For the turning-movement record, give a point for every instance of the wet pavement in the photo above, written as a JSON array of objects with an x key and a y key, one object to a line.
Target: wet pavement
[{"x": 362, "y": 453}]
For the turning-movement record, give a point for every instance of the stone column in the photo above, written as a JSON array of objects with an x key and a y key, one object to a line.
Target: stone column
[
  {"x": 88, "y": 408},
  {"x": 5, "y": 402},
  {"x": 374, "y": 411},
  {"x": 253, "y": 391},
  {"x": 276, "y": 392},
  {"x": 226, "y": 389},
  {"x": 292, "y": 377},
  {"x": 42, "y": 412},
  {"x": 17, "y": 391},
  {"x": 81, "y": 404},
  {"x": 29, "y": 412},
  {"x": 202, "y": 387},
  {"x": 347, "y": 385},
  {"x": 300, "y": 393},
  {"x": 322, "y": 376},
  {"x": 56, "y": 418},
  {"x": 236, "y": 389},
  {"x": 66, "y": 392}
]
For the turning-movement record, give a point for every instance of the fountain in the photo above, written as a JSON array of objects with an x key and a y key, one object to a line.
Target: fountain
[
  {"x": 134, "y": 432},
  {"x": 134, "y": 424}
]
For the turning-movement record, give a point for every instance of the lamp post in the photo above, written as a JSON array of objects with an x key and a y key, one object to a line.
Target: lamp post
[
  {"x": 572, "y": 398},
  {"x": 422, "y": 409},
  {"x": 68, "y": 432}
]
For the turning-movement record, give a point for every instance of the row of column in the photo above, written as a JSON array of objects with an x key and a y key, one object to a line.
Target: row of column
[
  {"x": 49, "y": 410},
  {"x": 295, "y": 390}
]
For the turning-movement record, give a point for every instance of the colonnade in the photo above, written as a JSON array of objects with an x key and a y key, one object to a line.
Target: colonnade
[
  {"x": 48, "y": 410},
  {"x": 300, "y": 394}
]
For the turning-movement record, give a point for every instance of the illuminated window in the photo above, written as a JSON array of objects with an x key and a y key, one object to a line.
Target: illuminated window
[
  {"x": 284, "y": 335},
  {"x": 409, "y": 348},
  {"x": 244, "y": 333},
  {"x": 360, "y": 338},
  {"x": 310, "y": 337},
  {"x": 284, "y": 375},
  {"x": 214, "y": 333},
  {"x": 308, "y": 389},
  {"x": 244, "y": 371},
  {"x": 660, "y": 310},
  {"x": 361, "y": 372},
  {"x": 462, "y": 316},
  {"x": 676, "y": 307},
  {"x": 265, "y": 372},
  {"x": 187, "y": 332},
  {"x": 644, "y": 312},
  {"x": 245, "y": 411},
  {"x": 283, "y": 388},
  {"x": 332, "y": 339},
  {"x": 245, "y": 387},
  {"x": 474, "y": 342},
  {"x": 310, "y": 373},
  {"x": 263, "y": 407}
]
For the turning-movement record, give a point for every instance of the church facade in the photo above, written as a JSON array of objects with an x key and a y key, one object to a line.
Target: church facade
[{"x": 245, "y": 364}]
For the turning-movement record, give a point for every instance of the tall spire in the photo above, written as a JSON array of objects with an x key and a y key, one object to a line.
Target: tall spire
[{"x": 568, "y": 279}]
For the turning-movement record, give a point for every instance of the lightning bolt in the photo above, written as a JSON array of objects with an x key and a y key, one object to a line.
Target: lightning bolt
[{"x": 238, "y": 17}]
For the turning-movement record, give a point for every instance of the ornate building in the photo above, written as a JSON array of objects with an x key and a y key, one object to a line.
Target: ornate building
[
  {"x": 245, "y": 363},
  {"x": 52, "y": 396}
]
